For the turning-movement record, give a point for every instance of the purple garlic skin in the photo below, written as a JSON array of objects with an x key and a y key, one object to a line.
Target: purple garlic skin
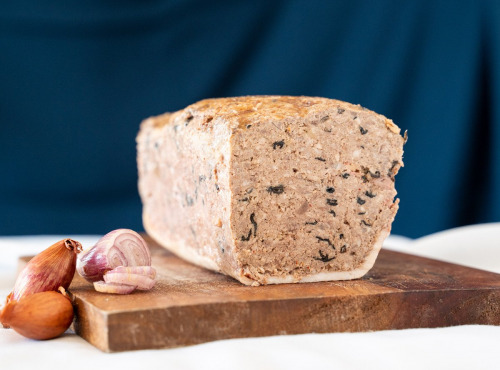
[{"x": 121, "y": 247}]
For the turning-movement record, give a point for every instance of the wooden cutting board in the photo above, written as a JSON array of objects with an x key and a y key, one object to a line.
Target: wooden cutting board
[{"x": 191, "y": 305}]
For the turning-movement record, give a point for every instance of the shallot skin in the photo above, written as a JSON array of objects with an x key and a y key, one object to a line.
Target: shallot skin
[{"x": 121, "y": 247}]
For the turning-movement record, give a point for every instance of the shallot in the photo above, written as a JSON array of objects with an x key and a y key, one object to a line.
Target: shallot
[
  {"x": 103, "y": 287},
  {"x": 43, "y": 315},
  {"x": 119, "y": 263},
  {"x": 122, "y": 247},
  {"x": 47, "y": 271},
  {"x": 142, "y": 282},
  {"x": 140, "y": 270}
]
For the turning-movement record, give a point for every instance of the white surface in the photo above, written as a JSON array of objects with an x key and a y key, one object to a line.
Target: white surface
[
  {"x": 463, "y": 347},
  {"x": 475, "y": 246}
]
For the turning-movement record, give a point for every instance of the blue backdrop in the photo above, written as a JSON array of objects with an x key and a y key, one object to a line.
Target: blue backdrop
[{"x": 76, "y": 79}]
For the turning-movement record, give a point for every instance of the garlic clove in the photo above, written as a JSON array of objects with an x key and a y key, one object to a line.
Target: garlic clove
[
  {"x": 121, "y": 247},
  {"x": 47, "y": 271},
  {"x": 104, "y": 287},
  {"x": 44, "y": 315},
  {"x": 142, "y": 282}
]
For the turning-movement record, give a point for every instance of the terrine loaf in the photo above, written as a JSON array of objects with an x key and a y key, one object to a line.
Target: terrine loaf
[{"x": 271, "y": 189}]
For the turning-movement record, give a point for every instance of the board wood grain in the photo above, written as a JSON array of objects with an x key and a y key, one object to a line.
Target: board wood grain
[{"x": 190, "y": 305}]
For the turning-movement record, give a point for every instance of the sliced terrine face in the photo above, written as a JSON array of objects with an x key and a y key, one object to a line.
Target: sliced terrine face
[{"x": 271, "y": 189}]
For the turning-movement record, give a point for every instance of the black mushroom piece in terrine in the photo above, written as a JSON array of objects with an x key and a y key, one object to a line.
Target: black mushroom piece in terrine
[{"x": 271, "y": 189}]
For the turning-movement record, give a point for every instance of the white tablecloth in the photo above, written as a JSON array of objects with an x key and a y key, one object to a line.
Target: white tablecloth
[{"x": 464, "y": 347}]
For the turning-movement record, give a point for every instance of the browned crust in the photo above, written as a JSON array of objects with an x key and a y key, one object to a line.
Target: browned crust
[{"x": 249, "y": 109}]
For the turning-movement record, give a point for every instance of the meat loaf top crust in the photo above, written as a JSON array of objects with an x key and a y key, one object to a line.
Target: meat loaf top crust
[
  {"x": 271, "y": 189},
  {"x": 248, "y": 109}
]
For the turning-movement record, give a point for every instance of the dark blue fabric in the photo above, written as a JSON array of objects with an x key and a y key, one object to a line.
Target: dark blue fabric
[{"x": 76, "y": 79}]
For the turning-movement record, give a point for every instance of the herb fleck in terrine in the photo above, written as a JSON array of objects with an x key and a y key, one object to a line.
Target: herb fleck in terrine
[{"x": 271, "y": 189}]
